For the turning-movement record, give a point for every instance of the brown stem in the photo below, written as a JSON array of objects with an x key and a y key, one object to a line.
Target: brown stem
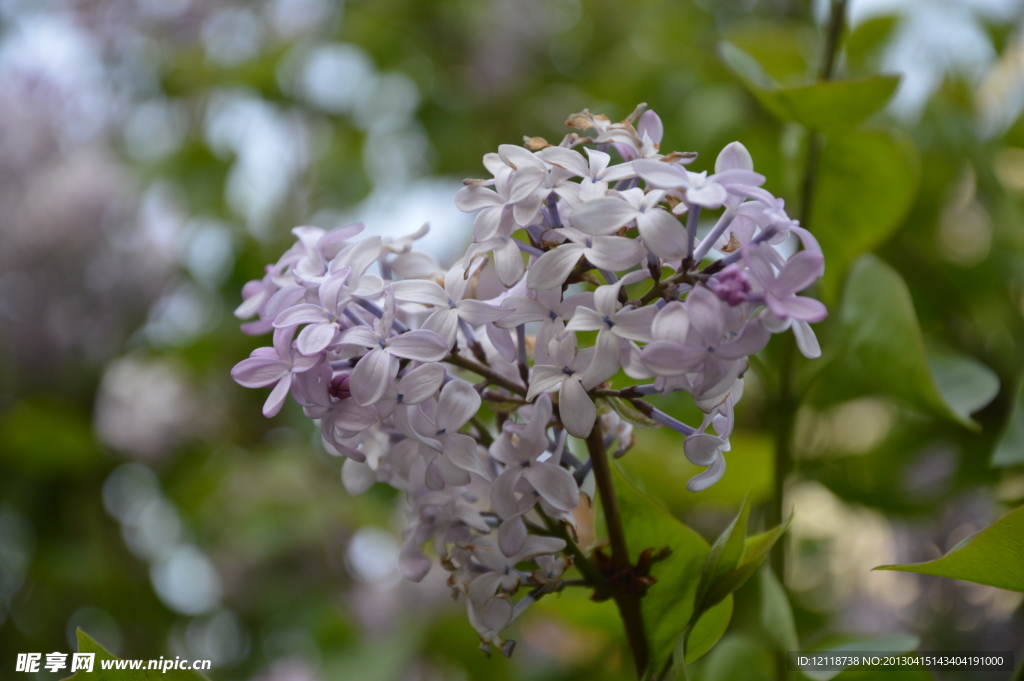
[
  {"x": 659, "y": 288},
  {"x": 627, "y": 600},
  {"x": 488, "y": 373}
]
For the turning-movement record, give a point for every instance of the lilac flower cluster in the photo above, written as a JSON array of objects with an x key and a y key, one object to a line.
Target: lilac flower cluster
[{"x": 376, "y": 342}]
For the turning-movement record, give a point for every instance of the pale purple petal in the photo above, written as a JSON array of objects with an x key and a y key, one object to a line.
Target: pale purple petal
[
  {"x": 602, "y": 216},
  {"x": 740, "y": 176},
  {"x": 553, "y": 268},
  {"x": 568, "y": 159},
  {"x": 259, "y": 372},
  {"x": 702, "y": 449},
  {"x": 651, "y": 125},
  {"x": 420, "y": 345},
  {"x": 604, "y": 363},
  {"x": 545, "y": 377},
  {"x": 806, "y": 340},
  {"x": 371, "y": 375},
  {"x": 540, "y": 546},
  {"x": 300, "y": 314},
  {"x": 554, "y": 484},
  {"x": 615, "y": 252},
  {"x": 474, "y": 197},
  {"x": 461, "y": 451},
  {"x": 635, "y": 324},
  {"x": 511, "y": 535},
  {"x": 805, "y": 309},
  {"x": 751, "y": 340},
  {"x": 711, "y": 195},
  {"x": 443, "y": 321},
  {"x": 525, "y": 211},
  {"x": 662, "y": 233},
  {"x": 457, "y": 405},
  {"x": 660, "y": 174},
  {"x": 277, "y": 396},
  {"x": 360, "y": 335},
  {"x": 585, "y": 319},
  {"x": 667, "y": 358},
  {"x": 350, "y": 416},
  {"x": 501, "y": 339},
  {"x": 733, "y": 156},
  {"x": 706, "y": 315},
  {"x": 419, "y": 291},
  {"x": 508, "y": 261},
  {"x": 519, "y": 157},
  {"x": 671, "y": 323},
  {"x": 315, "y": 338},
  {"x": 357, "y": 477},
  {"x": 477, "y": 312},
  {"x": 413, "y": 565},
  {"x": 421, "y": 383},
  {"x": 524, "y": 184},
  {"x": 503, "y": 499},
  {"x": 800, "y": 272},
  {"x": 576, "y": 408},
  {"x": 702, "y": 481}
]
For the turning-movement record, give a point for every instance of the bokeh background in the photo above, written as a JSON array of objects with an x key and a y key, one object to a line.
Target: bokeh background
[{"x": 154, "y": 155}]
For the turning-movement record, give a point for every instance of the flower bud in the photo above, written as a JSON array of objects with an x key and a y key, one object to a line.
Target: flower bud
[
  {"x": 339, "y": 386},
  {"x": 731, "y": 285}
]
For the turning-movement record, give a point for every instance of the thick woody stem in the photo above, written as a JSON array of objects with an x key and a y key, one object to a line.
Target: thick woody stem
[{"x": 627, "y": 600}]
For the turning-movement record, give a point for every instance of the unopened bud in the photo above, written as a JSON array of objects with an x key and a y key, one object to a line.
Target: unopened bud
[
  {"x": 731, "y": 285},
  {"x": 339, "y": 387}
]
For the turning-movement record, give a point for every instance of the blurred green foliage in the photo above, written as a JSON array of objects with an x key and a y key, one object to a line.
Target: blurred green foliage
[{"x": 920, "y": 220}]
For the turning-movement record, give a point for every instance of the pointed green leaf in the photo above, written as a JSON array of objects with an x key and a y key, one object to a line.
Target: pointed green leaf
[
  {"x": 705, "y": 633},
  {"x": 87, "y": 645},
  {"x": 885, "y": 342},
  {"x": 629, "y": 413},
  {"x": 755, "y": 550},
  {"x": 740, "y": 657},
  {"x": 776, "y": 613},
  {"x": 668, "y": 605},
  {"x": 725, "y": 553},
  {"x": 966, "y": 384},
  {"x": 867, "y": 181},
  {"x": 1010, "y": 450},
  {"x": 823, "y": 105},
  {"x": 994, "y": 556},
  {"x": 897, "y": 643},
  {"x": 864, "y": 44}
]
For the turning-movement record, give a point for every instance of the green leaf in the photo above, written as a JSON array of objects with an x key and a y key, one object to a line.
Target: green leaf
[
  {"x": 705, "y": 633},
  {"x": 776, "y": 613},
  {"x": 824, "y": 105},
  {"x": 884, "y": 339},
  {"x": 98, "y": 673},
  {"x": 725, "y": 553},
  {"x": 755, "y": 550},
  {"x": 629, "y": 413},
  {"x": 45, "y": 437},
  {"x": 739, "y": 657},
  {"x": 867, "y": 181},
  {"x": 897, "y": 643},
  {"x": 1010, "y": 450},
  {"x": 865, "y": 42},
  {"x": 994, "y": 556},
  {"x": 966, "y": 384},
  {"x": 668, "y": 605}
]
